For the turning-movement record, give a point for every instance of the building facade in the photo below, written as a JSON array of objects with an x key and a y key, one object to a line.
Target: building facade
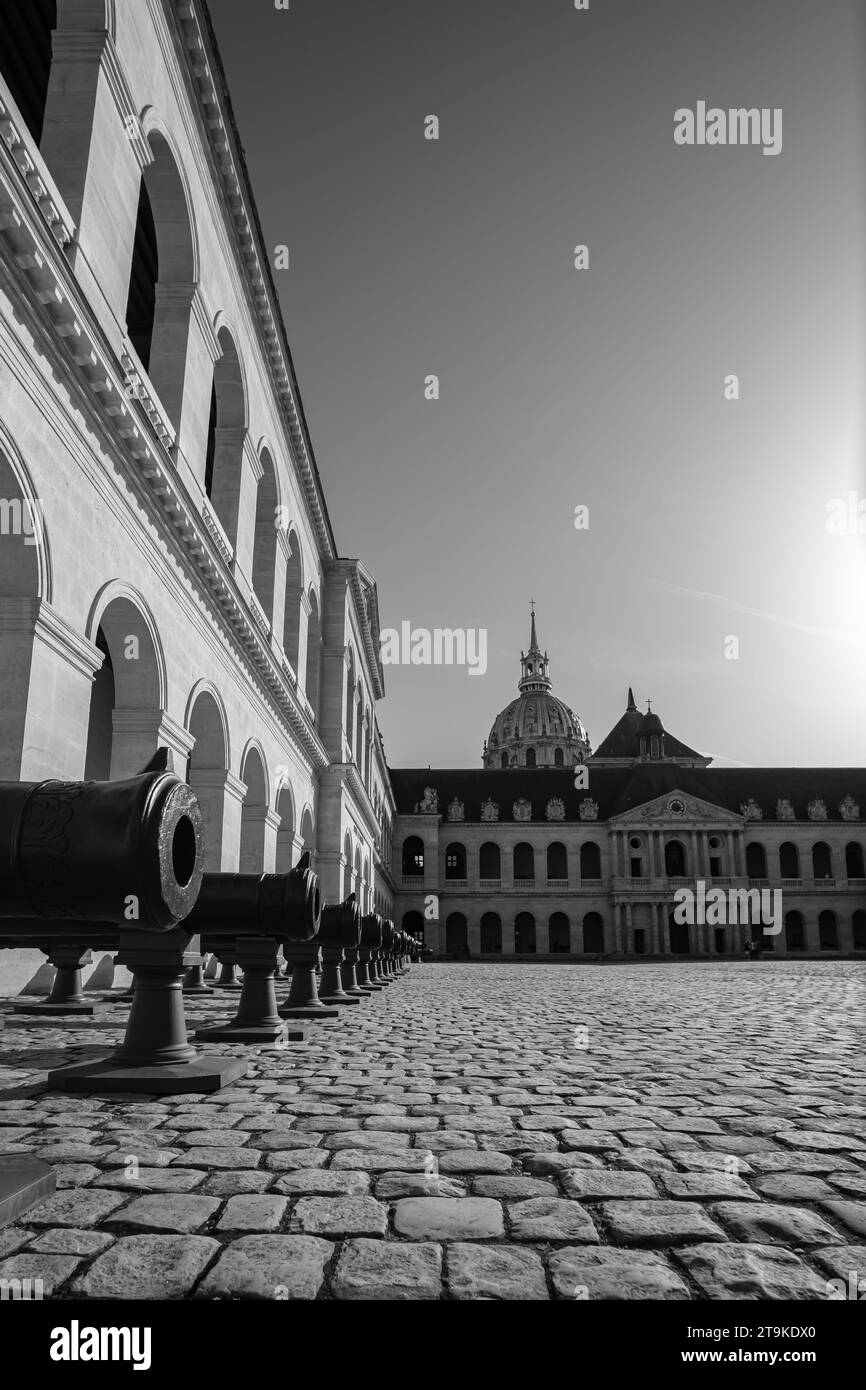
[
  {"x": 641, "y": 849},
  {"x": 169, "y": 575}
]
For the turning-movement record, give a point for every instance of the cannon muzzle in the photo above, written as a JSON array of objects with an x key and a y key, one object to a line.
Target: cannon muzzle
[
  {"x": 130, "y": 852},
  {"x": 285, "y": 906},
  {"x": 341, "y": 924}
]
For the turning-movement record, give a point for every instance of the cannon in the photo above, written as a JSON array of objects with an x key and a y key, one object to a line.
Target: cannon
[
  {"x": 115, "y": 865},
  {"x": 339, "y": 933},
  {"x": 372, "y": 933},
  {"x": 243, "y": 918}
]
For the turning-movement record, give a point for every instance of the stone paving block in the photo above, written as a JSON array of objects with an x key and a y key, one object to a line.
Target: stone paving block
[
  {"x": 706, "y": 1186},
  {"x": 366, "y": 1139},
  {"x": 52, "y": 1270},
  {"x": 154, "y": 1180},
  {"x": 447, "y": 1218},
  {"x": 474, "y": 1161},
  {"x": 76, "y": 1208},
  {"x": 296, "y": 1159},
  {"x": 822, "y": 1140},
  {"x": 794, "y": 1187},
  {"x": 13, "y": 1239},
  {"x": 751, "y": 1271},
  {"x": 588, "y": 1273},
  {"x": 76, "y": 1174},
  {"x": 66, "y": 1240},
  {"x": 544, "y": 1164},
  {"x": 659, "y": 1222},
  {"x": 592, "y": 1184},
  {"x": 511, "y": 1187},
  {"x": 392, "y": 1185},
  {"x": 590, "y": 1141},
  {"x": 845, "y": 1262},
  {"x": 175, "y": 1213},
  {"x": 147, "y": 1267},
  {"x": 371, "y": 1161},
  {"x": 219, "y": 1158},
  {"x": 767, "y": 1223},
  {"x": 853, "y": 1183},
  {"x": 267, "y": 1266},
  {"x": 339, "y": 1216},
  {"x": 323, "y": 1182},
  {"x": 501, "y": 1272},
  {"x": 388, "y": 1271},
  {"x": 851, "y": 1215},
  {"x": 253, "y": 1212},
  {"x": 551, "y": 1218}
]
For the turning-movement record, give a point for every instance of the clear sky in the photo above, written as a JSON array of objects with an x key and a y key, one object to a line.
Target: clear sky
[{"x": 601, "y": 387}]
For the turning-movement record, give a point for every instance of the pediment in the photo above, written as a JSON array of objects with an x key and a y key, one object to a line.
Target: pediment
[{"x": 663, "y": 811}]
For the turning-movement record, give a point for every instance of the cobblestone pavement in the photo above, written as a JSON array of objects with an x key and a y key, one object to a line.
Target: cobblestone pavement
[{"x": 676, "y": 1131}]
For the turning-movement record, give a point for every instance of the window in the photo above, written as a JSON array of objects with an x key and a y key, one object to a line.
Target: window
[
  {"x": 795, "y": 932},
  {"x": 491, "y": 934},
  {"x": 557, "y": 861},
  {"x": 828, "y": 934},
  {"x": 854, "y": 861},
  {"x": 558, "y": 758},
  {"x": 413, "y": 857},
  {"x": 675, "y": 859},
  {"x": 756, "y": 861},
  {"x": 593, "y": 934},
  {"x": 590, "y": 860},
  {"x": 530, "y": 757},
  {"x": 559, "y": 934},
  {"x": 789, "y": 860},
  {"x": 524, "y": 934},
  {"x": 524, "y": 863},
  {"x": 489, "y": 863},
  {"x": 455, "y": 862},
  {"x": 822, "y": 866}
]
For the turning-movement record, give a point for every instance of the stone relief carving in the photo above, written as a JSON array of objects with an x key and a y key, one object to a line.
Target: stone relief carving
[
  {"x": 750, "y": 810},
  {"x": 489, "y": 810},
  {"x": 817, "y": 809},
  {"x": 522, "y": 809},
  {"x": 588, "y": 809},
  {"x": 456, "y": 810},
  {"x": 555, "y": 809},
  {"x": 848, "y": 808},
  {"x": 784, "y": 809}
]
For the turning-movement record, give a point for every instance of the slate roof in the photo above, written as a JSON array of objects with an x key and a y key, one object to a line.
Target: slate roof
[{"x": 621, "y": 789}]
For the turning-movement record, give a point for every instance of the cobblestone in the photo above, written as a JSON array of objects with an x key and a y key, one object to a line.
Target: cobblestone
[{"x": 447, "y": 1139}]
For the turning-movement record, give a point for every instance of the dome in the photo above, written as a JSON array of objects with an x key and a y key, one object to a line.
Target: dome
[
  {"x": 536, "y": 729},
  {"x": 651, "y": 724}
]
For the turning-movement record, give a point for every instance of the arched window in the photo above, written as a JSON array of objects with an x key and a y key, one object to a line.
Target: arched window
[
  {"x": 314, "y": 653},
  {"x": 558, "y": 758},
  {"x": 795, "y": 932},
  {"x": 124, "y": 693},
  {"x": 348, "y": 886},
  {"x": 557, "y": 862},
  {"x": 678, "y": 937},
  {"x": 359, "y": 725},
  {"x": 822, "y": 864},
  {"x": 251, "y": 859},
  {"x": 455, "y": 861},
  {"x": 503, "y": 761},
  {"x": 559, "y": 934},
  {"x": 294, "y": 599},
  {"x": 524, "y": 863},
  {"x": 285, "y": 858},
  {"x": 828, "y": 933},
  {"x": 530, "y": 757},
  {"x": 100, "y": 727},
  {"x": 590, "y": 860},
  {"x": 225, "y": 436},
  {"x": 756, "y": 860},
  {"x": 413, "y": 924},
  {"x": 593, "y": 934},
  {"x": 413, "y": 857},
  {"x": 789, "y": 860},
  {"x": 25, "y": 53},
  {"x": 206, "y": 769},
  {"x": 456, "y": 936},
  {"x": 491, "y": 934},
  {"x": 265, "y": 547},
  {"x": 161, "y": 279},
  {"x": 350, "y": 707},
  {"x": 524, "y": 934},
  {"x": 859, "y": 924},
  {"x": 489, "y": 862},
  {"x": 854, "y": 861},
  {"x": 675, "y": 859}
]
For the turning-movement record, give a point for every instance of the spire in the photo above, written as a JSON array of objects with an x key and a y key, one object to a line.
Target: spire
[
  {"x": 533, "y": 664},
  {"x": 631, "y": 703},
  {"x": 533, "y": 640}
]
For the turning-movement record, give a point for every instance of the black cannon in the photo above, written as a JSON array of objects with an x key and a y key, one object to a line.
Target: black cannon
[
  {"x": 115, "y": 865},
  {"x": 339, "y": 934},
  {"x": 372, "y": 936},
  {"x": 243, "y": 919}
]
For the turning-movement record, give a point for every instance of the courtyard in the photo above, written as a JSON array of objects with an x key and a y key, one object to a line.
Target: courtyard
[{"x": 509, "y": 1131}]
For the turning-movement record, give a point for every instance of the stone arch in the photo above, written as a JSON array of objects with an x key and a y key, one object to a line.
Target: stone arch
[
  {"x": 292, "y": 622},
  {"x": 557, "y": 861},
  {"x": 854, "y": 867},
  {"x": 676, "y": 863},
  {"x": 590, "y": 860},
  {"x": 286, "y": 833},
  {"x": 593, "y": 934},
  {"x": 226, "y": 433},
  {"x": 349, "y": 704},
  {"x": 308, "y": 833},
  {"x": 524, "y": 934},
  {"x": 559, "y": 934},
  {"x": 413, "y": 923},
  {"x": 312, "y": 677},
  {"x": 208, "y": 764},
  {"x": 524, "y": 862},
  {"x": 828, "y": 931},
  {"x": 25, "y": 577},
  {"x": 128, "y": 696},
  {"x": 361, "y": 714},
  {"x": 756, "y": 860},
  {"x": 413, "y": 857},
  {"x": 822, "y": 860},
  {"x": 347, "y": 865},
  {"x": 789, "y": 860},
  {"x": 163, "y": 271},
  {"x": 491, "y": 934},
  {"x": 489, "y": 861},
  {"x": 456, "y": 935},
  {"x": 368, "y": 887},
  {"x": 265, "y": 544},
  {"x": 254, "y": 815},
  {"x": 455, "y": 861},
  {"x": 795, "y": 931}
]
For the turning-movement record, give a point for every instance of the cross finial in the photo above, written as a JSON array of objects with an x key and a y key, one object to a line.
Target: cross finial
[
  {"x": 649, "y": 707},
  {"x": 532, "y": 606}
]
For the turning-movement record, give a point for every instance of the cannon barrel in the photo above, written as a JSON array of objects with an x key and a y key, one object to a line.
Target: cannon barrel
[
  {"x": 341, "y": 924},
  {"x": 285, "y": 906},
  {"x": 371, "y": 931},
  {"x": 129, "y": 852}
]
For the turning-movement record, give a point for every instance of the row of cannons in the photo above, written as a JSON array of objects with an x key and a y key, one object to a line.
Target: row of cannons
[{"x": 118, "y": 866}]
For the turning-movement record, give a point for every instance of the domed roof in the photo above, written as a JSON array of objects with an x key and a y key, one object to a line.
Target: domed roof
[
  {"x": 536, "y": 729},
  {"x": 534, "y": 715}
]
